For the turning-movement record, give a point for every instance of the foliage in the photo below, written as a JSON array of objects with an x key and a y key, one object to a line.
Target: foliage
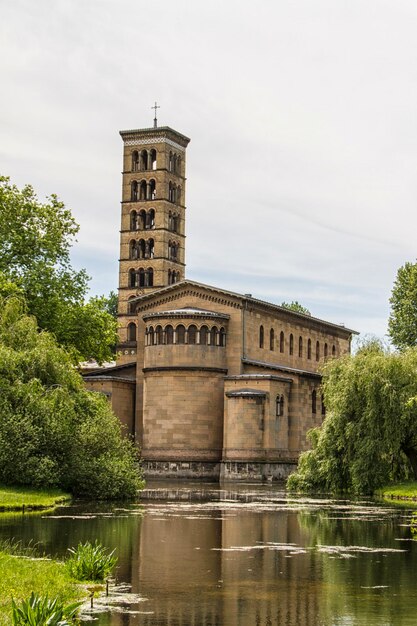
[
  {"x": 54, "y": 433},
  {"x": 106, "y": 303},
  {"x": 295, "y": 306},
  {"x": 402, "y": 324},
  {"x": 35, "y": 243},
  {"x": 21, "y": 576},
  {"x": 90, "y": 562},
  {"x": 42, "y": 611},
  {"x": 405, "y": 490},
  {"x": 15, "y": 498},
  {"x": 369, "y": 436}
]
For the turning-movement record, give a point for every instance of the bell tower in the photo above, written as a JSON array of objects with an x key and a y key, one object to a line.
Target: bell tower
[{"x": 152, "y": 235}]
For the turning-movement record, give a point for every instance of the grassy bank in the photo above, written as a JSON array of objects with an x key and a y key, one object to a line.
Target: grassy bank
[
  {"x": 17, "y": 498},
  {"x": 21, "y": 575},
  {"x": 401, "y": 491}
]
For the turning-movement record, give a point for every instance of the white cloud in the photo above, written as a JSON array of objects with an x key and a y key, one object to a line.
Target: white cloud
[{"x": 301, "y": 169}]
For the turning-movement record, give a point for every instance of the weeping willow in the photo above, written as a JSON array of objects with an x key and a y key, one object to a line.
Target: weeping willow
[{"x": 369, "y": 436}]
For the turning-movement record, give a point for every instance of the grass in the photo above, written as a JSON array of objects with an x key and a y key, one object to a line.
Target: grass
[
  {"x": 18, "y": 498},
  {"x": 20, "y": 575},
  {"x": 406, "y": 490}
]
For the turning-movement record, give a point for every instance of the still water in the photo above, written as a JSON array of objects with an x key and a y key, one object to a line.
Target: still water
[{"x": 246, "y": 555}]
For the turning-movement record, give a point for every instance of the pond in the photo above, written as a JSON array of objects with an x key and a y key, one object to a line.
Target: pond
[{"x": 244, "y": 555}]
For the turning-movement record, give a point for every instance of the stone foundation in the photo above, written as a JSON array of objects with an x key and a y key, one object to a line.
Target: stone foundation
[
  {"x": 225, "y": 471},
  {"x": 205, "y": 470},
  {"x": 258, "y": 471}
]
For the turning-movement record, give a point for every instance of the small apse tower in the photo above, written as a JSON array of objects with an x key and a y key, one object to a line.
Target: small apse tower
[{"x": 152, "y": 235}]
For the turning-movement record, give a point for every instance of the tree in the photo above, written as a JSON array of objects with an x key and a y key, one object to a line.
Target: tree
[
  {"x": 295, "y": 306},
  {"x": 369, "y": 435},
  {"x": 35, "y": 243},
  {"x": 52, "y": 431},
  {"x": 402, "y": 324}
]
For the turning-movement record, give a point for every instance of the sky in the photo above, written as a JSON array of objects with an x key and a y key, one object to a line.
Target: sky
[{"x": 301, "y": 170}]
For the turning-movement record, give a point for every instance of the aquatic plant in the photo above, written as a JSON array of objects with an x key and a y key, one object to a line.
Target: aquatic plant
[
  {"x": 90, "y": 562},
  {"x": 44, "y": 611}
]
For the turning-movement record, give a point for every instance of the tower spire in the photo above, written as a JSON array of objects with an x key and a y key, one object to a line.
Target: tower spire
[{"x": 155, "y": 121}]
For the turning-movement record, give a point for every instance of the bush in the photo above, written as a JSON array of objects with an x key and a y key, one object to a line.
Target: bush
[
  {"x": 53, "y": 432},
  {"x": 42, "y": 611},
  {"x": 90, "y": 562}
]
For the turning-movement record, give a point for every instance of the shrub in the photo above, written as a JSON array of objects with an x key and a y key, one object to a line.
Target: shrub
[
  {"x": 42, "y": 611},
  {"x": 90, "y": 562},
  {"x": 53, "y": 432}
]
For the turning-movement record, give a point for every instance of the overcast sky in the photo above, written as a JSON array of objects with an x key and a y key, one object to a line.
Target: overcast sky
[{"x": 302, "y": 116}]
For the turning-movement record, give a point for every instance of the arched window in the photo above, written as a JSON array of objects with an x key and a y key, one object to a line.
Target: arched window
[
  {"x": 135, "y": 161},
  {"x": 261, "y": 336},
  {"x": 133, "y": 251},
  {"x": 131, "y": 332},
  {"x": 133, "y": 220},
  {"x": 133, "y": 191},
  {"x": 203, "y": 335},
  {"x": 170, "y": 191},
  {"x": 131, "y": 306},
  {"x": 272, "y": 339},
  {"x": 151, "y": 336},
  {"x": 150, "y": 222},
  {"x": 152, "y": 189},
  {"x": 141, "y": 275},
  {"x": 170, "y": 162},
  {"x": 325, "y": 350},
  {"x": 169, "y": 277},
  {"x": 142, "y": 190},
  {"x": 178, "y": 195},
  {"x": 333, "y": 350},
  {"x": 309, "y": 349},
  {"x": 281, "y": 341},
  {"x": 179, "y": 165},
  {"x": 192, "y": 334},
  {"x": 149, "y": 277},
  {"x": 180, "y": 331},
  {"x": 300, "y": 347},
  {"x": 152, "y": 155},
  {"x": 222, "y": 338},
  {"x": 169, "y": 334},
  {"x": 214, "y": 333},
  {"x": 132, "y": 278},
  {"x": 144, "y": 160},
  {"x": 317, "y": 351},
  {"x": 291, "y": 344},
  {"x": 314, "y": 402},
  {"x": 158, "y": 335},
  {"x": 140, "y": 249},
  {"x": 150, "y": 249},
  {"x": 323, "y": 406},
  {"x": 142, "y": 219},
  {"x": 279, "y": 406},
  {"x": 174, "y": 163}
]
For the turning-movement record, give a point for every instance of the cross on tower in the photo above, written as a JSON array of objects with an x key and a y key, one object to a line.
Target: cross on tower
[{"x": 155, "y": 121}]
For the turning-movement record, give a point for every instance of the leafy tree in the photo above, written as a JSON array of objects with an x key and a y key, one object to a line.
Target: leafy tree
[
  {"x": 106, "y": 303},
  {"x": 52, "y": 431},
  {"x": 35, "y": 243},
  {"x": 402, "y": 324},
  {"x": 369, "y": 436},
  {"x": 295, "y": 306}
]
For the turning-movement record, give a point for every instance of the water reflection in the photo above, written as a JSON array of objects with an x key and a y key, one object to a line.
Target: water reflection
[{"x": 205, "y": 556}]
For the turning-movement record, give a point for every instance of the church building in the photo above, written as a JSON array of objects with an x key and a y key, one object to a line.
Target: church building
[{"x": 210, "y": 383}]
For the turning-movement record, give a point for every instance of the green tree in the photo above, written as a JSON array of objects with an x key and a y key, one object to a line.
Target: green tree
[
  {"x": 35, "y": 243},
  {"x": 52, "y": 431},
  {"x": 402, "y": 324},
  {"x": 295, "y": 306},
  {"x": 369, "y": 435}
]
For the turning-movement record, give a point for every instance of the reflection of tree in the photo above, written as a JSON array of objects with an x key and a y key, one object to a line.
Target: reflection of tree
[
  {"x": 351, "y": 581},
  {"x": 56, "y": 535}
]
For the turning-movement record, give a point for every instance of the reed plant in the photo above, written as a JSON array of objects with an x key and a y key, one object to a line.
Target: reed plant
[
  {"x": 90, "y": 562},
  {"x": 43, "y": 611}
]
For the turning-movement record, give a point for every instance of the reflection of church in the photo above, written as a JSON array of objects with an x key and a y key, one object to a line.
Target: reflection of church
[{"x": 210, "y": 382}]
